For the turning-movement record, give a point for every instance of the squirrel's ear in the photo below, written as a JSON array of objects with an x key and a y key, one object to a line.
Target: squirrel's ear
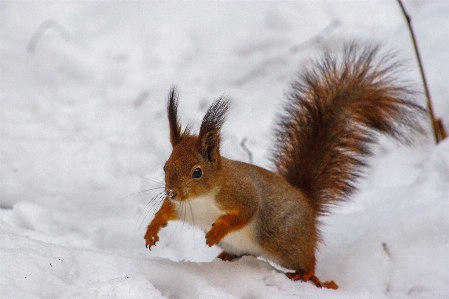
[
  {"x": 209, "y": 136},
  {"x": 172, "y": 113},
  {"x": 210, "y": 146}
]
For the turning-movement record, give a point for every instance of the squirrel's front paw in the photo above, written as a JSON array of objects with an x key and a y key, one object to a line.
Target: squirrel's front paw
[
  {"x": 151, "y": 236},
  {"x": 215, "y": 234}
]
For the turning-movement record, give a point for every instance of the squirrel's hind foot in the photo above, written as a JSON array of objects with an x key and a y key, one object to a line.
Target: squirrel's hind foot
[
  {"x": 227, "y": 257},
  {"x": 313, "y": 279}
]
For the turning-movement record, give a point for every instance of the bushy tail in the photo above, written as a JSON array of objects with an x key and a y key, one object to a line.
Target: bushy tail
[{"x": 331, "y": 119}]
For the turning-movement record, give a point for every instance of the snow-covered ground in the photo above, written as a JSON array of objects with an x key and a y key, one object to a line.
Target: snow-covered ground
[{"x": 84, "y": 131}]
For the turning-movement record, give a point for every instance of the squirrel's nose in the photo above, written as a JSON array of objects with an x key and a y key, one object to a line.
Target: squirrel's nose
[{"x": 171, "y": 194}]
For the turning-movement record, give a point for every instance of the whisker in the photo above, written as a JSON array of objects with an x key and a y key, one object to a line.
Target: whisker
[
  {"x": 147, "y": 209},
  {"x": 185, "y": 218},
  {"x": 182, "y": 209},
  {"x": 140, "y": 192},
  {"x": 157, "y": 196},
  {"x": 193, "y": 222},
  {"x": 145, "y": 178}
]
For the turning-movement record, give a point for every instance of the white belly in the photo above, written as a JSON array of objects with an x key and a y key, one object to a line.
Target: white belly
[
  {"x": 241, "y": 242},
  {"x": 203, "y": 211}
]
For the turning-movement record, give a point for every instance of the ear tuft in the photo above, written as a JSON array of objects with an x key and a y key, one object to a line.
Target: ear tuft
[
  {"x": 215, "y": 116},
  {"x": 209, "y": 136},
  {"x": 172, "y": 113}
]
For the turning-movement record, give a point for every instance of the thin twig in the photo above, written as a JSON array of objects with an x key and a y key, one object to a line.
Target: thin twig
[
  {"x": 43, "y": 27},
  {"x": 437, "y": 125},
  {"x": 247, "y": 151}
]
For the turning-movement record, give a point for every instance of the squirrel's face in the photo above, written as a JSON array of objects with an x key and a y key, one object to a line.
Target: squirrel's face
[
  {"x": 188, "y": 173},
  {"x": 193, "y": 168}
]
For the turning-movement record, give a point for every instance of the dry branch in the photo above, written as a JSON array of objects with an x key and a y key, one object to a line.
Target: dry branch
[{"x": 437, "y": 124}]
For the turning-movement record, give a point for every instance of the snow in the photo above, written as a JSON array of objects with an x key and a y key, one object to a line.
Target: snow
[{"x": 83, "y": 132}]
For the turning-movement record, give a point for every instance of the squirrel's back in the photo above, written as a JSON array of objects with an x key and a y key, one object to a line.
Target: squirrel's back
[{"x": 332, "y": 116}]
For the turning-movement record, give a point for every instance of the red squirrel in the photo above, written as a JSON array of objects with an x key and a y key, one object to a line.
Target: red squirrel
[{"x": 331, "y": 118}]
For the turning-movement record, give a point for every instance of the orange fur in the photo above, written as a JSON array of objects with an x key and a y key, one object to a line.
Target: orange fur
[
  {"x": 229, "y": 222},
  {"x": 165, "y": 214}
]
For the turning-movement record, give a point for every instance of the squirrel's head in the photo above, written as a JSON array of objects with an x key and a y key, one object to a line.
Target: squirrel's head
[{"x": 193, "y": 168}]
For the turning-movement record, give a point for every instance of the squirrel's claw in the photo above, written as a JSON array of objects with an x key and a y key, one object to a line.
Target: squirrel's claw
[
  {"x": 151, "y": 237},
  {"x": 313, "y": 279},
  {"x": 149, "y": 246}
]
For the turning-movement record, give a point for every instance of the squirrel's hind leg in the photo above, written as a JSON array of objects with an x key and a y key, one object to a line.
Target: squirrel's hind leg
[
  {"x": 227, "y": 257},
  {"x": 313, "y": 279}
]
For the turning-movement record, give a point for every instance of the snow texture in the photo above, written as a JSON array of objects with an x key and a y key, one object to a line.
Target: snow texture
[{"x": 84, "y": 138}]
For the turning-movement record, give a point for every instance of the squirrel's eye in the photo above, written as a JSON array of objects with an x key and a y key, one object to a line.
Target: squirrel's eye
[{"x": 197, "y": 173}]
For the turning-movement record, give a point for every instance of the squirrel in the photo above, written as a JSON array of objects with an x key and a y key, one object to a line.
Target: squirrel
[{"x": 331, "y": 118}]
